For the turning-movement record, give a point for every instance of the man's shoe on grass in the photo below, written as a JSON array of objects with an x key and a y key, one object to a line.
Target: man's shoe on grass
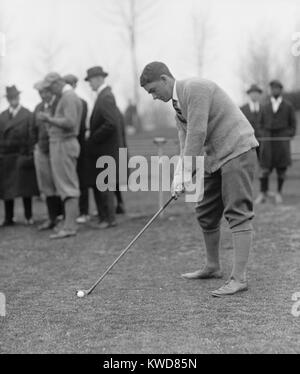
[
  {"x": 29, "y": 222},
  {"x": 261, "y": 198},
  {"x": 83, "y": 219},
  {"x": 7, "y": 223},
  {"x": 63, "y": 234},
  {"x": 278, "y": 198},
  {"x": 231, "y": 287},
  {"x": 48, "y": 225},
  {"x": 120, "y": 209},
  {"x": 203, "y": 274},
  {"x": 106, "y": 225}
]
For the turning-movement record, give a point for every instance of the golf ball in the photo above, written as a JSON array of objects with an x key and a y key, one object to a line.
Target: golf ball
[{"x": 80, "y": 293}]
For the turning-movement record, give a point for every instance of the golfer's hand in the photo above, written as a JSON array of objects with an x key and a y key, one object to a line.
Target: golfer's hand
[
  {"x": 42, "y": 116},
  {"x": 177, "y": 187}
]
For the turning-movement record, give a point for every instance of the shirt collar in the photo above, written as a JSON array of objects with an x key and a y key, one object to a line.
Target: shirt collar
[
  {"x": 14, "y": 111},
  {"x": 66, "y": 88},
  {"x": 175, "y": 96},
  {"x": 278, "y": 100},
  {"x": 101, "y": 88}
]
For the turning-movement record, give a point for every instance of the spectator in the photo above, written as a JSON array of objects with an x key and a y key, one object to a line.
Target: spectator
[
  {"x": 103, "y": 141},
  {"x": 64, "y": 149},
  {"x": 17, "y": 172},
  {"x": 42, "y": 156},
  {"x": 253, "y": 111},
  {"x": 278, "y": 120},
  {"x": 81, "y": 164}
]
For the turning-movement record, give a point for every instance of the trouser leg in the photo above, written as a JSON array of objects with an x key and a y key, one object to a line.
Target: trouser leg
[
  {"x": 84, "y": 202},
  {"x": 27, "y": 204},
  {"x": 107, "y": 205},
  {"x": 281, "y": 174},
  {"x": 9, "y": 210}
]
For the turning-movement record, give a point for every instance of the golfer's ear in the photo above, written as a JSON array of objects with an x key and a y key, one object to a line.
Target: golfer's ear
[{"x": 164, "y": 78}]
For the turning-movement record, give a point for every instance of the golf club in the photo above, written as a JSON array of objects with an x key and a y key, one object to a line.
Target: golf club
[{"x": 82, "y": 293}]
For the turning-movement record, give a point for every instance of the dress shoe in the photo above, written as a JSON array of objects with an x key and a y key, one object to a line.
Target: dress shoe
[
  {"x": 261, "y": 198},
  {"x": 7, "y": 223},
  {"x": 231, "y": 287},
  {"x": 29, "y": 222},
  {"x": 63, "y": 234},
  {"x": 48, "y": 225},
  {"x": 106, "y": 225},
  {"x": 278, "y": 198},
  {"x": 120, "y": 209},
  {"x": 206, "y": 273},
  {"x": 83, "y": 219}
]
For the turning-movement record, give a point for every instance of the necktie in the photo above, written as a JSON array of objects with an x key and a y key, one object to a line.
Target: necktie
[{"x": 178, "y": 111}]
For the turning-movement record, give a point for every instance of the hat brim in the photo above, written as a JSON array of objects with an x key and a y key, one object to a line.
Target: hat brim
[
  {"x": 254, "y": 90},
  {"x": 104, "y": 75},
  {"x": 11, "y": 96}
]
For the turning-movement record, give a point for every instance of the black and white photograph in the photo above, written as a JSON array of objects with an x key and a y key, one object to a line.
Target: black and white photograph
[{"x": 149, "y": 180}]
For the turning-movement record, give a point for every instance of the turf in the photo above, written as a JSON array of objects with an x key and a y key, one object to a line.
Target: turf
[{"x": 144, "y": 306}]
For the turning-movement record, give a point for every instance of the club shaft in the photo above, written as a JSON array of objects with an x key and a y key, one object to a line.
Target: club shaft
[{"x": 130, "y": 245}]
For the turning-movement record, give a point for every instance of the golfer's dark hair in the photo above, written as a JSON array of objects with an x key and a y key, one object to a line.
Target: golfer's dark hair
[{"x": 153, "y": 71}]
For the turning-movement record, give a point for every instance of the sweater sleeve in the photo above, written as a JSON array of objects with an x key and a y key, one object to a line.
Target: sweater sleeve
[{"x": 198, "y": 107}]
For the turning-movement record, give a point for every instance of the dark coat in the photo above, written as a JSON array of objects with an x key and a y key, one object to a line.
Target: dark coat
[
  {"x": 104, "y": 134},
  {"x": 81, "y": 163},
  {"x": 253, "y": 118},
  {"x": 277, "y": 154},
  {"x": 17, "y": 171}
]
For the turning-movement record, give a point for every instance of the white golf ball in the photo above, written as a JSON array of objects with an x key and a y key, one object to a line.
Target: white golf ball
[{"x": 80, "y": 294}]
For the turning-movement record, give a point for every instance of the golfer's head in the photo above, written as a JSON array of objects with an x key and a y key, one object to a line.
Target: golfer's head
[{"x": 158, "y": 81}]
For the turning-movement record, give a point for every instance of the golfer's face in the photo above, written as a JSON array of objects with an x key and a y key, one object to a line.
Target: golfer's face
[{"x": 158, "y": 90}]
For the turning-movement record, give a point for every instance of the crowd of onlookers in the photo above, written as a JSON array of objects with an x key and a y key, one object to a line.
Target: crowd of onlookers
[{"x": 53, "y": 152}]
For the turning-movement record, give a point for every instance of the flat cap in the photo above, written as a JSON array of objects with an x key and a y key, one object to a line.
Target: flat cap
[
  {"x": 40, "y": 85},
  {"x": 153, "y": 71},
  {"x": 276, "y": 83},
  {"x": 254, "y": 88},
  {"x": 51, "y": 78},
  {"x": 70, "y": 79}
]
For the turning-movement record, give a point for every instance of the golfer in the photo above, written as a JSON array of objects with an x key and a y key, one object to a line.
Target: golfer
[{"x": 209, "y": 124}]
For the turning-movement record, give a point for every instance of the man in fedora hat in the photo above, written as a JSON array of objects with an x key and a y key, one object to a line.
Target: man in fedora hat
[
  {"x": 210, "y": 125},
  {"x": 17, "y": 171},
  {"x": 252, "y": 109},
  {"x": 72, "y": 80},
  {"x": 103, "y": 141},
  {"x": 42, "y": 156},
  {"x": 63, "y": 130},
  {"x": 278, "y": 121}
]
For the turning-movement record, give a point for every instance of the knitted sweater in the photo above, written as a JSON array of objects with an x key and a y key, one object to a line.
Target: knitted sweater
[
  {"x": 216, "y": 128},
  {"x": 69, "y": 108}
]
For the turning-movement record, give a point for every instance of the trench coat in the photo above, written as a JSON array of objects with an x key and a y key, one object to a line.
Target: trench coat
[{"x": 17, "y": 170}]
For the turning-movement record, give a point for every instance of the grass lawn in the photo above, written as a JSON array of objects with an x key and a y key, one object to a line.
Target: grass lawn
[{"x": 144, "y": 306}]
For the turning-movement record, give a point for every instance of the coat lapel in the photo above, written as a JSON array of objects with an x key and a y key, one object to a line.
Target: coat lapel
[{"x": 10, "y": 123}]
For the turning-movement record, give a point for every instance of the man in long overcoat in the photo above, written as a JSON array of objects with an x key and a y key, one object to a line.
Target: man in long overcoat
[
  {"x": 103, "y": 141},
  {"x": 17, "y": 171},
  {"x": 278, "y": 121},
  {"x": 253, "y": 110}
]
